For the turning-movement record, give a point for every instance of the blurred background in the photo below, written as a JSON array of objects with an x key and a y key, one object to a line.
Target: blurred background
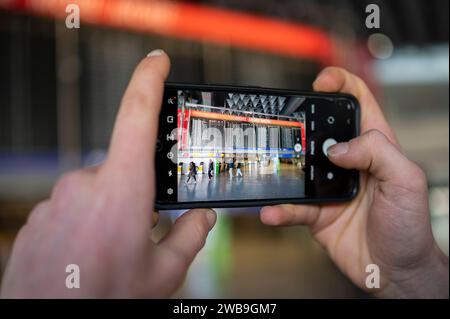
[{"x": 60, "y": 90}]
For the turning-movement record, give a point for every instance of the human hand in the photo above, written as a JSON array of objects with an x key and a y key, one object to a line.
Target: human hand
[
  {"x": 388, "y": 223},
  {"x": 100, "y": 218}
]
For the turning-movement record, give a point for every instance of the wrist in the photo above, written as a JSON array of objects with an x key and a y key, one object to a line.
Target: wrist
[{"x": 427, "y": 279}]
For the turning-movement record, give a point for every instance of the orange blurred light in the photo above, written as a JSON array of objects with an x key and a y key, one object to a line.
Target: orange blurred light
[{"x": 191, "y": 21}]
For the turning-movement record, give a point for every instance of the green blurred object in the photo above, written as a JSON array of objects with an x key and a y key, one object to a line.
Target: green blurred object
[{"x": 219, "y": 246}]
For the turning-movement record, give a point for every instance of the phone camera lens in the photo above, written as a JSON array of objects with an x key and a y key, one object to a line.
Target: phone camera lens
[{"x": 331, "y": 120}]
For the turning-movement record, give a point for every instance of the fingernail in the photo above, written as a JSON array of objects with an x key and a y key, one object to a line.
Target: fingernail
[
  {"x": 338, "y": 149},
  {"x": 211, "y": 216},
  {"x": 319, "y": 75},
  {"x": 155, "y": 53}
]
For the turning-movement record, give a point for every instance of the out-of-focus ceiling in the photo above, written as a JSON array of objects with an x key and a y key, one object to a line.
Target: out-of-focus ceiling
[{"x": 406, "y": 22}]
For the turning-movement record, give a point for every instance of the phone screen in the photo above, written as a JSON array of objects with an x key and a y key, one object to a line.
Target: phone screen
[{"x": 237, "y": 145}]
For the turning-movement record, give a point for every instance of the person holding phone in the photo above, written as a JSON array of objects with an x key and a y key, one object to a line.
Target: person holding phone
[{"x": 387, "y": 224}]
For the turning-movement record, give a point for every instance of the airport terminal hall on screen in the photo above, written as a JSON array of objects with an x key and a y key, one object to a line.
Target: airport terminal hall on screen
[{"x": 234, "y": 146}]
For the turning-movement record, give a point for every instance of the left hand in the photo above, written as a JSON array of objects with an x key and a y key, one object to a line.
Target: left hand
[{"x": 100, "y": 218}]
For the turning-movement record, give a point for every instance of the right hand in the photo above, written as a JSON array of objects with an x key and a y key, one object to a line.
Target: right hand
[{"x": 388, "y": 223}]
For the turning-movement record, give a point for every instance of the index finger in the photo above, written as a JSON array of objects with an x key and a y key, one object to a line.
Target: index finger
[
  {"x": 132, "y": 147},
  {"x": 334, "y": 79}
]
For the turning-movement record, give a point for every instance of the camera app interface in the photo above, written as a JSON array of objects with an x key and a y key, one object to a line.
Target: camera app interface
[{"x": 235, "y": 146}]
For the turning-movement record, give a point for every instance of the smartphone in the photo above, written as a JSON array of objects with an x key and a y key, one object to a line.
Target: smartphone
[{"x": 229, "y": 146}]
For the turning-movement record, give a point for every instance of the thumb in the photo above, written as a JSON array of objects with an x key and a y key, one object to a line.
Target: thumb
[
  {"x": 186, "y": 238},
  {"x": 373, "y": 152},
  {"x": 178, "y": 248}
]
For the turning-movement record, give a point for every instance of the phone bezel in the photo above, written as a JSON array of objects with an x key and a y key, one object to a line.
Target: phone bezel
[{"x": 263, "y": 202}]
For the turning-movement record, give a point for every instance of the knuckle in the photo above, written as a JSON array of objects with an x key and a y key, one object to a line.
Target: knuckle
[
  {"x": 179, "y": 263},
  {"x": 175, "y": 261},
  {"x": 68, "y": 184},
  {"x": 143, "y": 94},
  {"x": 42, "y": 206},
  {"x": 38, "y": 211},
  {"x": 359, "y": 83},
  {"x": 198, "y": 225},
  {"x": 374, "y": 136},
  {"x": 135, "y": 100},
  {"x": 199, "y": 230},
  {"x": 418, "y": 179}
]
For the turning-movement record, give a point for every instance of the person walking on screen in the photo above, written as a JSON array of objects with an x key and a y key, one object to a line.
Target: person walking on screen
[
  {"x": 230, "y": 168},
  {"x": 192, "y": 172},
  {"x": 238, "y": 170},
  {"x": 224, "y": 166},
  {"x": 210, "y": 169}
]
